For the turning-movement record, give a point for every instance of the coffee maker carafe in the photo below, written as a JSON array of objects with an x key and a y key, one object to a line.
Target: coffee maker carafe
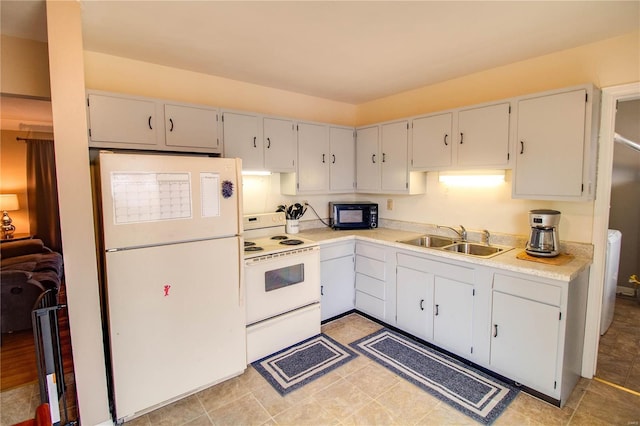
[{"x": 543, "y": 241}]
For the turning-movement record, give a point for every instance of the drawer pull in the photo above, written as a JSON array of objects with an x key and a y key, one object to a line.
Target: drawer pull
[
  {"x": 495, "y": 330},
  {"x": 422, "y": 305},
  {"x": 437, "y": 306}
]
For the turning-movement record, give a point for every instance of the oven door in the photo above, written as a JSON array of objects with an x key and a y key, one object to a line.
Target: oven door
[{"x": 279, "y": 283}]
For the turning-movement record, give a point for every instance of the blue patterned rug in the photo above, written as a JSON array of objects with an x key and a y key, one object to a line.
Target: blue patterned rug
[
  {"x": 471, "y": 391},
  {"x": 297, "y": 365}
]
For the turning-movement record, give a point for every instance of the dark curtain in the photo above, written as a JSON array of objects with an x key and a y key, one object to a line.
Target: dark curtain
[{"x": 42, "y": 192}]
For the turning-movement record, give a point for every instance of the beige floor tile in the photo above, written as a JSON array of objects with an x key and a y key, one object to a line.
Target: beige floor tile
[
  {"x": 243, "y": 411},
  {"x": 442, "y": 414},
  {"x": 540, "y": 412},
  {"x": 342, "y": 399},
  {"x": 203, "y": 420},
  {"x": 371, "y": 414},
  {"x": 225, "y": 392},
  {"x": 308, "y": 412},
  {"x": 353, "y": 365},
  {"x": 407, "y": 403},
  {"x": 139, "y": 421},
  {"x": 178, "y": 413},
  {"x": 577, "y": 394},
  {"x": 373, "y": 379},
  {"x": 272, "y": 401},
  {"x": 615, "y": 411}
]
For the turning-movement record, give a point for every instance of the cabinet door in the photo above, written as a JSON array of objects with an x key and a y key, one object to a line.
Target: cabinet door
[
  {"x": 342, "y": 170},
  {"x": 453, "y": 315},
  {"x": 279, "y": 145},
  {"x": 394, "y": 156},
  {"x": 483, "y": 136},
  {"x": 241, "y": 140},
  {"x": 414, "y": 302},
  {"x": 313, "y": 157},
  {"x": 368, "y": 159},
  {"x": 191, "y": 127},
  {"x": 337, "y": 286},
  {"x": 431, "y": 141},
  {"x": 550, "y": 146},
  {"x": 524, "y": 344},
  {"x": 122, "y": 120}
]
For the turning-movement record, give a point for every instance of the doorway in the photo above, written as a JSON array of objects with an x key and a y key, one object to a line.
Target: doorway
[{"x": 619, "y": 347}]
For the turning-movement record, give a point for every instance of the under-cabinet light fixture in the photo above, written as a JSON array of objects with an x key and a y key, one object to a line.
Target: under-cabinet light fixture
[
  {"x": 256, "y": 173},
  {"x": 472, "y": 178}
]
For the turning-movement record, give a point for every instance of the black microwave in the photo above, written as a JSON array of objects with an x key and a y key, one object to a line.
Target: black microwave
[{"x": 353, "y": 215}]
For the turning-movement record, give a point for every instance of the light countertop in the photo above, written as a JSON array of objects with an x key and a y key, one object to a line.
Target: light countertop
[{"x": 506, "y": 261}]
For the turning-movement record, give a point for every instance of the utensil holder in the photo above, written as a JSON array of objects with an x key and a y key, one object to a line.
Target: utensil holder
[{"x": 292, "y": 226}]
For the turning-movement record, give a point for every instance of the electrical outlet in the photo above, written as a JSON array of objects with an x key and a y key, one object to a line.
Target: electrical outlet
[{"x": 389, "y": 203}]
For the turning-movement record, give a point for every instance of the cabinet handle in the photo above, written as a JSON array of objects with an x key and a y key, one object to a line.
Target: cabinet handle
[
  {"x": 322, "y": 158},
  {"x": 268, "y": 143},
  {"x": 422, "y": 305},
  {"x": 495, "y": 330},
  {"x": 384, "y": 157},
  {"x": 445, "y": 139},
  {"x": 254, "y": 142},
  {"x": 521, "y": 147},
  {"x": 171, "y": 123},
  {"x": 149, "y": 121},
  {"x": 461, "y": 138},
  {"x": 333, "y": 158},
  {"x": 321, "y": 290},
  {"x": 437, "y": 306},
  {"x": 373, "y": 158}
]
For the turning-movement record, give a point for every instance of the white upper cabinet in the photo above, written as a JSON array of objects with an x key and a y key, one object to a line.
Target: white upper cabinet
[
  {"x": 432, "y": 141},
  {"x": 135, "y": 122},
  {"x": 382, "y": 160},
  {"x": 475, "y": 137},
  {"x": 263, "y": 143},
  {"x": 116, "y": 120},
  {"x": 342, "y": 165},
  {"x": 313, "y": 157},
  {"x": 555, "y": 145},
  {"x": 367, "y": 159},
  {"x": 279, "y": 144},
  {"x": 191, "y": 127},
  {"x": 326, "y": 161},
  {"x": 483, "y": 136}
]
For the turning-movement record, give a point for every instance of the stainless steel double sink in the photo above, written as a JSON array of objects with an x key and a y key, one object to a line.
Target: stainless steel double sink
[{"x": 456, "y": 246}]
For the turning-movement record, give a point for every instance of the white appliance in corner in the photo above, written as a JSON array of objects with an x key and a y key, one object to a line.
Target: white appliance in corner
[
  {"x": 172, "y": 274},
  {"x": 611, "y": 268}
]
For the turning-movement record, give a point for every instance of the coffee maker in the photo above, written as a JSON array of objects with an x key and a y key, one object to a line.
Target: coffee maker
[{"x": 543, "y": 241}]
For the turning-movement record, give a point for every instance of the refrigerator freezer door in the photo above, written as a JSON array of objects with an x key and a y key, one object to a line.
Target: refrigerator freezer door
[
  {"x": 158, "y": 199},
  {"x": 176, "y": 319}
]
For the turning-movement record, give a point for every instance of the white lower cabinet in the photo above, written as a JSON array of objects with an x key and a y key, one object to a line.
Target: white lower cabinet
[
  {"x": 435, "y": 301},
  {"x": 337, "y": 277}
]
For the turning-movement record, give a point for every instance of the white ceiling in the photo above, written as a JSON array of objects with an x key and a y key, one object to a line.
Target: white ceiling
[{"x": 352, "y": 52}]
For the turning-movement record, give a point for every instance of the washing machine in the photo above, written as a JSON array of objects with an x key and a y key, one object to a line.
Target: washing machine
[{"x": 611, "y": 266}]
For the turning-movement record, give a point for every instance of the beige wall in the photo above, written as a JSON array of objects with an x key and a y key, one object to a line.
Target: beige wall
[
  {"x": 25, "y": 67},
  {"x": 116, "y": 74},
  {"x": 605, "y": 63},
  {"x": 13, "y": 175}
]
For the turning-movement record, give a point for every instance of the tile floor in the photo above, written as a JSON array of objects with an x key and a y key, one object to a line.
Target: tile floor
[
  {"x": 363, "y": 393},
  {"x": 619, "y": 350}
]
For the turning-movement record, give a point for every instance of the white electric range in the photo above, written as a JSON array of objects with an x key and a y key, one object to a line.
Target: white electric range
[{"x": 282, "y": 281}]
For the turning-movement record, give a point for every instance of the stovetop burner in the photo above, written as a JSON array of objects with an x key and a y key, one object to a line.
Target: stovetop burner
[
  {"x": 291, "y": 242},
  {"x": 253, "y": 248},
  {"x": 279, "y": 237}
]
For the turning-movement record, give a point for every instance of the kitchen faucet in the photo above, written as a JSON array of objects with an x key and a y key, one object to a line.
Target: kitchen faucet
[{"x": 462, "y": 234}]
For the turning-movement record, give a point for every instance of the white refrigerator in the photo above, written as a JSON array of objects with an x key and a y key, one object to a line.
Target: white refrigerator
[{"x": 173, "y": 283}]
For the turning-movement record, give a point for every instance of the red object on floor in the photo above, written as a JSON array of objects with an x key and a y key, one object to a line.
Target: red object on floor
[{"x": 43, "y": 417}]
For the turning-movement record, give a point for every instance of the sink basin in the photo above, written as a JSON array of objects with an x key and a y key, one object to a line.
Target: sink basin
[
  {"x": 474, "y": 249},
  {"x": 429, "y": 241}
]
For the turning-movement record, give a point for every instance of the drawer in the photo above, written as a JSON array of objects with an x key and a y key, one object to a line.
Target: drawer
[
  {"x": 333, "y": 251},
  {"x": 528, "y": 289},
  {"x": 371, "y": 267},
  {"x": 440, "y": 268},
  {"x": 372, "y": 251},
  {"x": 370, "y": 305},
  {"x": 366, "y": 284}
]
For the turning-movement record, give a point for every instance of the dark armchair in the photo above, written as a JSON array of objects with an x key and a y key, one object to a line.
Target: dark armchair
[{"x": 27, "y": 269}]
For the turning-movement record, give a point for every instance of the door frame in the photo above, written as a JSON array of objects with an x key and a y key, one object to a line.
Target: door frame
[{"x": 610, "y": 97}]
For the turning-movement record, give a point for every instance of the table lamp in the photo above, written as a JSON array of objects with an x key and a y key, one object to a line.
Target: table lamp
[{"x": 8, "y": 203}]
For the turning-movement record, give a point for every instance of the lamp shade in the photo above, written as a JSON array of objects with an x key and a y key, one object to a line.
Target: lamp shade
[{"x": 9, "y": 202}]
